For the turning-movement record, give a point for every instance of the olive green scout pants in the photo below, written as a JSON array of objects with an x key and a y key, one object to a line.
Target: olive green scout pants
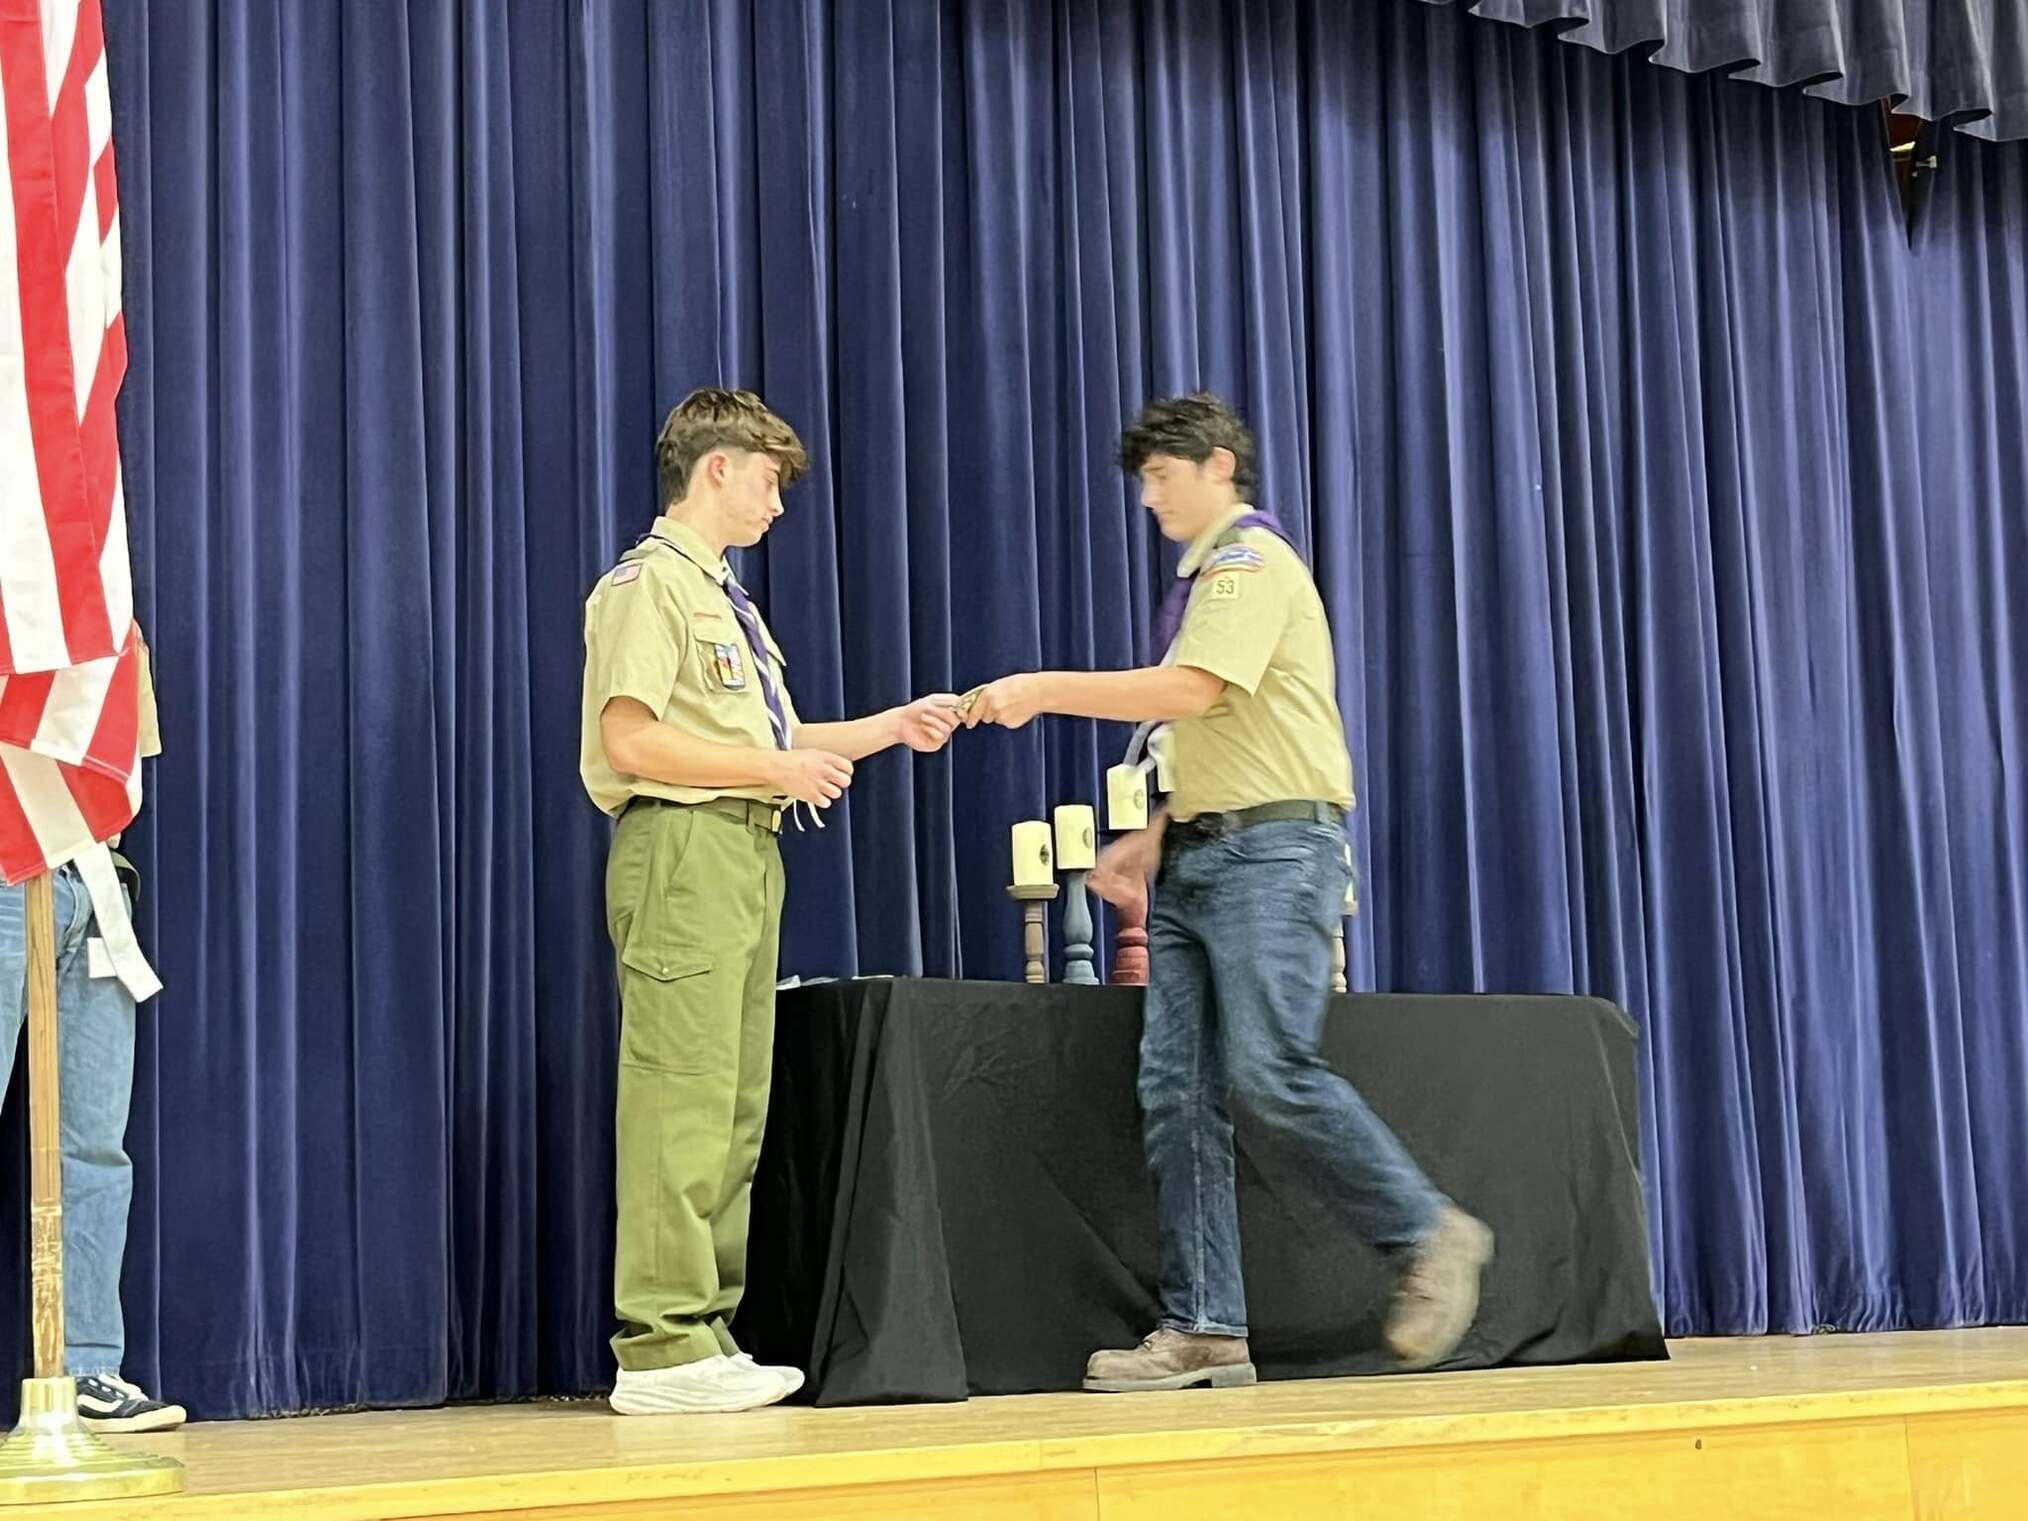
[{"x": 694, "y": 903}]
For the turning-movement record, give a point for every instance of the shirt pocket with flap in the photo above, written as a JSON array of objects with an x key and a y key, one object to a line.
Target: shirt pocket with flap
[{"x": 721, "y": 662}]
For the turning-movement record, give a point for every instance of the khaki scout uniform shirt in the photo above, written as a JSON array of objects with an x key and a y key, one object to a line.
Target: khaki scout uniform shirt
[
  {"x": 151, "y": 728},
  {"x": 1255, "y": 621},
  {"x": 658, "y": 629}
]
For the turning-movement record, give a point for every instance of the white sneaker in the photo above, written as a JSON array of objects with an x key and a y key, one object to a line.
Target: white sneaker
[
  {"x": 713, "y": 1384},
  {"x": 792, "y": 1377},
  {"x": 107, "y": 1402}
]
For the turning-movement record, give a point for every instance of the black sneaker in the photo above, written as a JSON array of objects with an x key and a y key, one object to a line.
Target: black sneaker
[{"x": 107, "y": 1402}]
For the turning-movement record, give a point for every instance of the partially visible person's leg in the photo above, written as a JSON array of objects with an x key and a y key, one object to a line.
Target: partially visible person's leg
[
  {"x": 1268, "y": 934},
  {"x": 1201, "y": 1336}
]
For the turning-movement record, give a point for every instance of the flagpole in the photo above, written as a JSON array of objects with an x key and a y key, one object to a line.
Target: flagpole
[
  {"x": 51, "y": 1456},
  {"x": 45, "y": 1148}
]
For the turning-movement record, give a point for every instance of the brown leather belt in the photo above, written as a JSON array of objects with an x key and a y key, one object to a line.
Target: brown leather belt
[{"x": 762, "y": 816}]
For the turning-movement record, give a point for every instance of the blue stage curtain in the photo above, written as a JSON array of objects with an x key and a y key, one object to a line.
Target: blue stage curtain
[
  {"x": 1666, "y": 496},
  {"x": 1964, "y": 61}
]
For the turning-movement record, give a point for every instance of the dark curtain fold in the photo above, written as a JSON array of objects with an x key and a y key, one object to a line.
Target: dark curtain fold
[{"x": 1666, "y": 496}]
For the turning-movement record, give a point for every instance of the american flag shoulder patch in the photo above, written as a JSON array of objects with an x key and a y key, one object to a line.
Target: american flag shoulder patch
[{"x": 631, "y": 571}]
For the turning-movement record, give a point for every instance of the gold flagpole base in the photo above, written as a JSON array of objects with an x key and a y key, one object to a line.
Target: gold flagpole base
[{"x": 52, "y": 1457}]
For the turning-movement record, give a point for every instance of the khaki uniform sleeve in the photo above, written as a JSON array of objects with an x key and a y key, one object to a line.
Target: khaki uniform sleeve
[
  {"x": 1234, "y": 622},
  {"x": 638, "y": 640}
]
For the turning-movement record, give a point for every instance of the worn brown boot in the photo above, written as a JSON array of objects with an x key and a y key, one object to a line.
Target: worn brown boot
[
  {"x": 1171, "y": 1360},
  {"x": 1439, "y": 1293}
]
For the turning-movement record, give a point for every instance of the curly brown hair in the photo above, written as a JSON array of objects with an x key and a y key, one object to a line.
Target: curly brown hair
[
  {"x": 1190, "y": 427},
  {"x": 713, "y": 417}
]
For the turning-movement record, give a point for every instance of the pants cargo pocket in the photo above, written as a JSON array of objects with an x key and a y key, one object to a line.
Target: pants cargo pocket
[{"x": 676, "y": 1015}]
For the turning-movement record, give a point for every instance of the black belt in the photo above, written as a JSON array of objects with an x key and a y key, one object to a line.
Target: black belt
[
  {"x": 1207, "y": 827},
  {"x": 765, "y": 816}
]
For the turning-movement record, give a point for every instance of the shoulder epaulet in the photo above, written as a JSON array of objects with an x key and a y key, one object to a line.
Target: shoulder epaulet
[
  {"x": 630, "y": 564},
  {"x": 627, "y": 567}
]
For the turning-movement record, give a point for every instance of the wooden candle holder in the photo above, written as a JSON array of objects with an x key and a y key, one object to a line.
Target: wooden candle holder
[
  {"x": 1078, "y": 954},
  {"x": 1130, "y": 941},
  {"x": 1035, "y": 928}
]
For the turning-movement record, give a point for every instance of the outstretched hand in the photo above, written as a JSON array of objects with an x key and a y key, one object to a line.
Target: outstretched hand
[
  {"x": 1011, "y": 702},
  {"x": 927, "y": 724}
]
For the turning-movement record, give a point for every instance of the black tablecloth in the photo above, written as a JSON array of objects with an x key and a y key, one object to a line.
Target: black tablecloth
[{"x": 952, "y": 1198}]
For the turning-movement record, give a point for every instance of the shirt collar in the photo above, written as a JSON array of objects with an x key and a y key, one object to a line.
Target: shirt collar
[
  {"x": 691, "y": 542},
  {"x": 1201, "y": 547}
]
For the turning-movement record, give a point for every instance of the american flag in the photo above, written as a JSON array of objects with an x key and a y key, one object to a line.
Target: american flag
[{"x": 70, "y": 772}]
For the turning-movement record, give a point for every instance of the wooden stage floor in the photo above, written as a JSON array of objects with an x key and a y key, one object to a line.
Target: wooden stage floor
[{"x": 1930, "y": 1426}]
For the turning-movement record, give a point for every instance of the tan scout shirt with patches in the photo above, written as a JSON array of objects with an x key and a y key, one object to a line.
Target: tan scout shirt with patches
[
  {"x": 1255, "y": 621},
  {"x": 658, "y": 629},
  {"x": 150, "y": 726}
]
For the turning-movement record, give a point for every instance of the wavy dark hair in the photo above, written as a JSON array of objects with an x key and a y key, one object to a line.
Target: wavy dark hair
[
  {"x": 1190, "y": 427},
  {"x": 717, "y": 418}
]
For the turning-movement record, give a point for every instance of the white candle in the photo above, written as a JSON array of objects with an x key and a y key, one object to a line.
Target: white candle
[
  {"x": 1126, "y": 798},
  {"x": 1076, "y": 838},
  {"x": 1032, "y": 865}
]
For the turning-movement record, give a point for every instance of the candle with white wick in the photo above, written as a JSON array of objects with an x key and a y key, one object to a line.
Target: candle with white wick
[
  {"x": 1076, "y": 838},
  {"x": 1126, "y": 799},
  {"x": 1033, "y": 866}
]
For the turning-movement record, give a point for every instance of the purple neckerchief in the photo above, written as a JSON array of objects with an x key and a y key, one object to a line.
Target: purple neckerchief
[
  {"x": 1169, "y": 618},
  {"x": 748, "y": 619}
]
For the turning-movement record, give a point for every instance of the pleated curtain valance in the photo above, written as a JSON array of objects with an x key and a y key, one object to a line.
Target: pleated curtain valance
[{"x": 1959, "y": 61}]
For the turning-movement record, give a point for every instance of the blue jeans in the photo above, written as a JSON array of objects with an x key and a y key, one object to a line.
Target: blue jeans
[
  {"x": 95, "y": 1059},
  {"x": 1239, "y": 941}
]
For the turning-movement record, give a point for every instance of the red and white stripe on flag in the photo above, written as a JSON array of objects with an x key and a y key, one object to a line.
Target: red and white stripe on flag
[{"x": 69, "y": 696}]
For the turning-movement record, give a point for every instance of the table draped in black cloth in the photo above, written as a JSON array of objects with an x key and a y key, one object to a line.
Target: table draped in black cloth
[{"x": 952, "y": 1198}]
